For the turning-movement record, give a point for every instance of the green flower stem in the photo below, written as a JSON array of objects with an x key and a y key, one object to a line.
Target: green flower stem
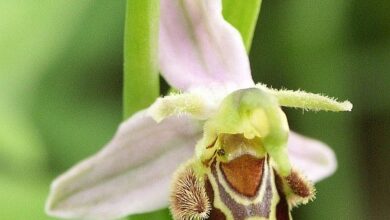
[
  {"x": 141, "y": 78},
  {"x": 243, "y": 16}
]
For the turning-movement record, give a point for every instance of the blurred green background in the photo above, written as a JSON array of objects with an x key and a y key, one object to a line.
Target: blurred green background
[{"x": 61, "y": 85}]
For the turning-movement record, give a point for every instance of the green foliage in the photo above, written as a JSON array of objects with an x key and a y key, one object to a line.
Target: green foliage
[
  {"x": 243, "y": 16},
  {"x": 160, "y": 214},
  {"x": 23, "y": 199}
]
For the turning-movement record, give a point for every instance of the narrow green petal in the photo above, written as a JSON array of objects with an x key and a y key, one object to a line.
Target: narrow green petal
[{"x": 307, "y": 101}]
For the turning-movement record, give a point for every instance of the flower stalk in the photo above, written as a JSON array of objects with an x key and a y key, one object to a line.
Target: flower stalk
[{"x": 141, "y": 75}]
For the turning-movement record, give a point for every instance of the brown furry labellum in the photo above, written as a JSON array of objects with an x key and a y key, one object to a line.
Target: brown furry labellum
[{"x": 189, "y": 200}]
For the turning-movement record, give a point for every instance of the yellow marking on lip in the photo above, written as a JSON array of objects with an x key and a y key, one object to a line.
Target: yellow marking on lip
[
  {"x": 276, "y": 197},
  {"x": 242, "y": 200},
  {"x": 218, "y": 203}
]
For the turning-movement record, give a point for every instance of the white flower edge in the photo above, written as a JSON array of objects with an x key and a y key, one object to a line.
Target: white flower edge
[
  {"x": 197, "y": 47},
  {"x": 130, "y": 175},
  {"x": 313, "y": 158}
]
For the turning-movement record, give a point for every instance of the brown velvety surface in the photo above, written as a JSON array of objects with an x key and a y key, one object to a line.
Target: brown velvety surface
[{"x": 244, "y": 174}]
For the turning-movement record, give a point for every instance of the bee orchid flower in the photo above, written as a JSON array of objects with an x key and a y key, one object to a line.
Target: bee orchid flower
[{"x": 220, "y": 148}]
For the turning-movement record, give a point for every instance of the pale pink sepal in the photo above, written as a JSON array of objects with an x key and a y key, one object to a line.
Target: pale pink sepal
[
  {"x": 197, "y": 47},
  {"x": 315, "y": 159},
  {"x": 131, "y": 174}
]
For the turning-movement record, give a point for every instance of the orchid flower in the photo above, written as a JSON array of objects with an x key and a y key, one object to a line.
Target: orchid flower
[{"x": 219, "y": 149}]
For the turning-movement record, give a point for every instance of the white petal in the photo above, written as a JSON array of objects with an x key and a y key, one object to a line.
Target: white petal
[
  {"x": 198, "y": 47},
  {"x": 314, "y": 158},
  {"x": 130, "y": 175}
]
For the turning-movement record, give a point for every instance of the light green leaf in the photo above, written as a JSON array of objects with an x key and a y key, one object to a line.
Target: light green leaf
[{"x": 243, "y": 16}]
